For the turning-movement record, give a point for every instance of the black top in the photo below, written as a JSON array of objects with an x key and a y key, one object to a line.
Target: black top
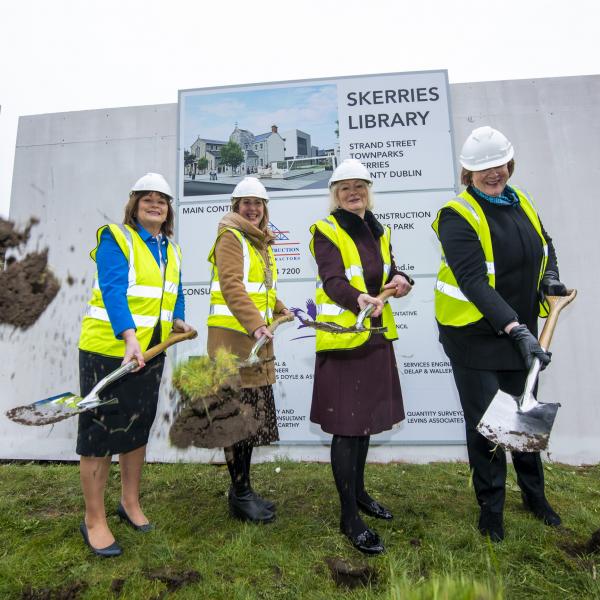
[{"x": 517, "y": 259}]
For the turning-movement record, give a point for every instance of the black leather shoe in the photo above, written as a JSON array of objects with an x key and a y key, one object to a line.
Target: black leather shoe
[
  {"x": 375, "y": 510},
  {"x": 541, "y": 509},
  {"x": 490, "y": 523},
  {"x": 125, "y": 517},
  {"x": 246, "y": 507},
  {"x": 268, "y": 504},
  {"x": 113, "y": 550},
  {"x": 367, "y": 542}
]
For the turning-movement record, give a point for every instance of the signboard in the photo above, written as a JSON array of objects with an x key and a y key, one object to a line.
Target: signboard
[{"x": 291, "y": 135}]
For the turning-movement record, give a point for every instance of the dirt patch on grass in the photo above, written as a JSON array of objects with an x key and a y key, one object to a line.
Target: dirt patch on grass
[
  {"x": 172, "y": 578},
  {"x": 27, "y": 286},
  {"x": 116, "y": 586},
  {"x": 73, "y": 591},
  {"x": 350, "y": 575},
  {"x": 576, "y": 548}
]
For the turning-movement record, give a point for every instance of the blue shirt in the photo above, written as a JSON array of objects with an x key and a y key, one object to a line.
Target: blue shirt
[{"x": 113, "y": 279}]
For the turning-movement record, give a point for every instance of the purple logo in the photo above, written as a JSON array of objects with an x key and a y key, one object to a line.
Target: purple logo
[{"x": 304, "y": 316}]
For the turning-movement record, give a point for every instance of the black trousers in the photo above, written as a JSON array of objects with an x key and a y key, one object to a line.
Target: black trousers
[{"x": 476, "y": 389}]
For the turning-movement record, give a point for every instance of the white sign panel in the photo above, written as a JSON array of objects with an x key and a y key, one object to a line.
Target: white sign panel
[{"x": 291, "y": 135}]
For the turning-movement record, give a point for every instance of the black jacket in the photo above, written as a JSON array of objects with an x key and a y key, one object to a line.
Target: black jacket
[{"x": 517, "y": 258}]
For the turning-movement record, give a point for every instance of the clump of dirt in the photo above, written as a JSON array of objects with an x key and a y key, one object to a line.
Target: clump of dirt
[
  {"x": 593, "y": 545},
  {"x": 27, "y": 286},
  {"x": 209, "y": 413},
  {"x": 346, "y": 574},
  {"x": 577, "y": 549},
  {"x": 72, "y": 591},
  {"x": 173, "y": 579},
  {"x": 116, "y": 586}
]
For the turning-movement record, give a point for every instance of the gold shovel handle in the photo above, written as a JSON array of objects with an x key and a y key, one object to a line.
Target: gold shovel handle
[
  {"x": 556, "y": 303},
  {"x": 173, "y": 338},
  {"x": 279, "y": 321}
]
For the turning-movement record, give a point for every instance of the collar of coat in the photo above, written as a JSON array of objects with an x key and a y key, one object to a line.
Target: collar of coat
[
  {"x": 257, "y": 237},
  {"x": 352, "y": 223}
]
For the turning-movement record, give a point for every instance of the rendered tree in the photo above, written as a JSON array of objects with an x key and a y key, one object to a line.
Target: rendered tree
[
  {"x": 232, "y": 154},
  {"x": 202, "y": 163}
]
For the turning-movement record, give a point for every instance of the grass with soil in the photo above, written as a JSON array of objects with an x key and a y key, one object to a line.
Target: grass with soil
[{"x": 198, "y": 551}]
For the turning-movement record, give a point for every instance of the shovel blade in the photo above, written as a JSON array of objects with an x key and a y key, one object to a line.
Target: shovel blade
[
  {"x": 54, "y": 409},
  {"x": 528, "y": 431}
]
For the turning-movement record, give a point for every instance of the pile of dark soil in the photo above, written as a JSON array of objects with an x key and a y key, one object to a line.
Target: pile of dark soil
[
  {"x": 215, "y": 421},
  {"x": 27, "y": 286},
  {"x": 349, "y": 575},
  {"x": 173, "y": 579},
  {"x": 72, "y": 591}
]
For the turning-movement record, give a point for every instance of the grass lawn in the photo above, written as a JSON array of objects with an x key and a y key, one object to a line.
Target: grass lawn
[{"x": 198, "y": 551}]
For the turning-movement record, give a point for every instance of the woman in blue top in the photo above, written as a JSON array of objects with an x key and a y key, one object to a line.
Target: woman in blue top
[{"x": 136, "y": 299}]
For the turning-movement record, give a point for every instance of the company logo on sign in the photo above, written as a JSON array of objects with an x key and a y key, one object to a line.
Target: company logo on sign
[
  {"x": 310, "y": 314},
  {"x": 283, "y": 247}
]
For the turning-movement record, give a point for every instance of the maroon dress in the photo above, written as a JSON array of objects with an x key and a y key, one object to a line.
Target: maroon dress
[{"x": 356, "y": 392}]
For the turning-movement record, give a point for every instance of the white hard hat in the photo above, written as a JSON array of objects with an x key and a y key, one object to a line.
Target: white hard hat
[
  {"x": 350, "y": 168},
  {"x": 250, "y": 187},
  {"x": 485, "y": 148},
  {"x": 153, "y": 182}
]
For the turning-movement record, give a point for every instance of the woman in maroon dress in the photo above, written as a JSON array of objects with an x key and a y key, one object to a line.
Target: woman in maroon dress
[{"x": 356, "y": 389}]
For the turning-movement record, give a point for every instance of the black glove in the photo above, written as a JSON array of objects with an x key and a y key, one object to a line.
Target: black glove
[
  {"x": 552, "y": 286},
  {"x": 528, "y": 346}
]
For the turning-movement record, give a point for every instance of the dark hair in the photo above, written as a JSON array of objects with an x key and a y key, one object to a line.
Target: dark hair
[
  {"x": 466, "y": 177},
  {"x": 131, "y": 212}
]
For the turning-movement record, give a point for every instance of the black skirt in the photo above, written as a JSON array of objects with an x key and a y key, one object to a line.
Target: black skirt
[{"x": 122, "y": 427}]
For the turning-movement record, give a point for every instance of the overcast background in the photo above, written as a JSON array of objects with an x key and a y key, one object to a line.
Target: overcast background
[{"x": 65, "y": 55}]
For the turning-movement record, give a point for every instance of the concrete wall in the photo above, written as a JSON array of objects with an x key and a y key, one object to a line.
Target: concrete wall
[{"x": 71, "y": 170}]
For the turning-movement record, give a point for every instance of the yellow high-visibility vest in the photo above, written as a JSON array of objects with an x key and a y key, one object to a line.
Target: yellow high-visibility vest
[
  {"x": 452, "y": 307},
  {"x": 150, "y": 295},
  {"x": 253, "y": 278},
  {"x": 328, "y": 310}
]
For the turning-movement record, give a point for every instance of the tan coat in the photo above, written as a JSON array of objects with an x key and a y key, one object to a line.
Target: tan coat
[{"x": 230, "y": 263}]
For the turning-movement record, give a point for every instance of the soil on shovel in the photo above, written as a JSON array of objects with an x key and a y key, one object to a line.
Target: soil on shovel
[{"x": 27, "y": 286}]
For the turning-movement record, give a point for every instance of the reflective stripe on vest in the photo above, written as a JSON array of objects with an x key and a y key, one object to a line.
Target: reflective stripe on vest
[
  {"x": 253, "y": 278},
  {"x": 150, "y": 296},
  {"x": 327, "y": 309},
  {"x": 452, "y": 307}
]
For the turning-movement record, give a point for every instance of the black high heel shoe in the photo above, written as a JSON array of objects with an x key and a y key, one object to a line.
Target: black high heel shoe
[
  {"x": 245, "y": 507},
  {"x": 125, "y": 517},
  {"x": 109, "y": 552}
]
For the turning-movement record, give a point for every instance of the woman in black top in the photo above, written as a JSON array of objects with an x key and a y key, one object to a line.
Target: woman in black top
[{"x": 495, "y": 350}]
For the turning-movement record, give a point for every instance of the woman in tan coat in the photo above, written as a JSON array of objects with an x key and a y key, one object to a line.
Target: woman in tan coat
[{"x": 243, "y": 301}]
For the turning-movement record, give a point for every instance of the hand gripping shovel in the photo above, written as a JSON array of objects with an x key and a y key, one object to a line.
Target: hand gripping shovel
[
  {"x": 358, "y": 327},
  {"x": 60, "y": 407},
  {"x": 521, "y": 423},
  {"x": 253, "y": 358}
]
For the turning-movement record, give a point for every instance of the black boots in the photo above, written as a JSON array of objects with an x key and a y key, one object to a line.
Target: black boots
[
  {"x": 247, "y": 506},
  {"x": 490, "y": 524},
  {"x": 539, "y": 507}
]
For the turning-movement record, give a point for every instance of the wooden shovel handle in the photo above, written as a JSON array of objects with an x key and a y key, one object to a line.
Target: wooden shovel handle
[
  {"x": 386, "y": 294},
  {"x": 277, "y": 322},
  {"x": 556, "y": 303},
  {"x": 173, "y": 338}
]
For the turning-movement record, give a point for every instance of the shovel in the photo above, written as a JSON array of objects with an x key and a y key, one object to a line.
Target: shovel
[
  {"x": 60, "y": 407},
  {"x": 253, "y": 358},
  {"x": 521, "y": 423},
  {"x": 358, "y": 327}
]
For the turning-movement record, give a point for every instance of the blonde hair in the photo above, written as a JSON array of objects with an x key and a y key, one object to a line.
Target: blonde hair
[
  {"x": 264, "y": 222},
  {"x": 131, "y": 213},
  {"x": 334, "y": 204}
]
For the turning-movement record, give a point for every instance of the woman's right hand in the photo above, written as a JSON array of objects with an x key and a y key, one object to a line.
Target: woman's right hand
[
  {"x": 132, "y": 349},
  {"x": 364, "y": 300},
  {"x": 263, "y": 330}
]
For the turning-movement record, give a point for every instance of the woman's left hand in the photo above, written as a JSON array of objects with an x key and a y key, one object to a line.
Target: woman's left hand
[
  {"x": 400, "y": 284},
  {"x": 180, "y": 326}
]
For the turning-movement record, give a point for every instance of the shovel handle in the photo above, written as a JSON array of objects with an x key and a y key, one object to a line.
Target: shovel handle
[
  {"x": 279, "y": 321},
  {"x": 556, "y": 303},
  {"x": 367, "y": 310},
  {"x": 174, "y": 338},
  {"x": 264, "y": 339}
]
